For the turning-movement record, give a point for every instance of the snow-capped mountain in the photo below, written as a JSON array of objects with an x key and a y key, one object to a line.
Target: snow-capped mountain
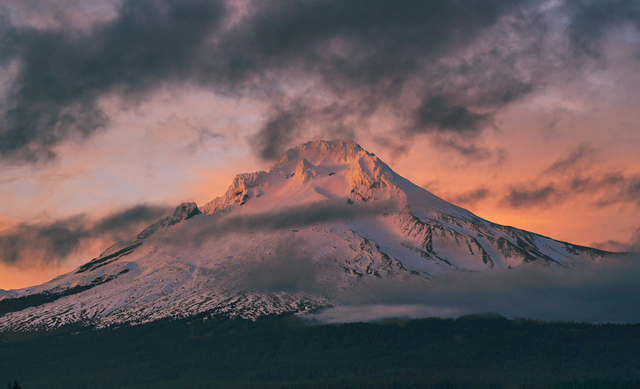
[{"x": 326, "y": 217}]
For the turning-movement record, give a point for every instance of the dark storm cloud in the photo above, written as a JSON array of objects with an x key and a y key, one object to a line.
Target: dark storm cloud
[
  {"x": 437, "y": 113},
  {"x": 282, "y": 126},
  {"x": 54, "y": 242},
  {"x": 367, "y": 54},
  {"x": 606, "y": 292},
  {"x": 362, "y": 42},
  {"x": 593, "y": 18},
  {"x": 369, "y": 49},
  {"x": 286, "y": 121},
  {"x": 62, "y": 74},
  {"x": 442, "y": 67}
]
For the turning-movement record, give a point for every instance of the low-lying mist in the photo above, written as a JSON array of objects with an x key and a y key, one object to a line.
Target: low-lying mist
[
  {"x": 607, "y": 290},
  {"x": 600, "y": 293}
]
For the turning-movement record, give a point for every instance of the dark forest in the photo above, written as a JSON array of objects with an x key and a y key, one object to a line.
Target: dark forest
[{"x": 477, "y": 351}]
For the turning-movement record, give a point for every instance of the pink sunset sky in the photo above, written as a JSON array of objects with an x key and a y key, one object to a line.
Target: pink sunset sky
[{"x": 114, "y": 112}]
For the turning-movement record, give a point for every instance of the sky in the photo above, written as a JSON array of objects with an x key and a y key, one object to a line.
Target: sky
[{"x": 113, "y": 112}]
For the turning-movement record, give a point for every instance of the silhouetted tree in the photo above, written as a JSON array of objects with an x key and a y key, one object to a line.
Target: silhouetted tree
[{"x": 14, "y": 386}]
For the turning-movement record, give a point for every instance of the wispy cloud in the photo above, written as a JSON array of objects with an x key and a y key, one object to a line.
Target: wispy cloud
[
  {"x": 202, "y": 228},
  {"x": 532, "y": 196},
  {"x": 632, "y": 245},
  {"x": 580, "y": 156},
  {"x": 604, "y": 189},
  {"x": 576, "y": 175},
  {"x": 472, "y": 197},
  {"x": 54, "y": 242}
]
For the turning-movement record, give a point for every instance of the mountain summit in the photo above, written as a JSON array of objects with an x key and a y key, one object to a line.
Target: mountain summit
[{"x": 325, "y": 218}]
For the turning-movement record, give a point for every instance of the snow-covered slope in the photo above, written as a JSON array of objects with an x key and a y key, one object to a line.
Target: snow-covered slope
[{"x": 326, "y": 217}]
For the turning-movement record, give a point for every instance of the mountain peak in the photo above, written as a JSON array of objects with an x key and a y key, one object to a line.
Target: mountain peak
[
  {"x": 337, "y": 151},
  {"x": 326, "y": 218},
  {"x": 339, "y": 171}
]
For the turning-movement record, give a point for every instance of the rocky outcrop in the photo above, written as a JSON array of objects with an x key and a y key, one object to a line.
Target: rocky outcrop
[
  {"x": 237, "y": 192},
  {"x": 184, "y": 211}
]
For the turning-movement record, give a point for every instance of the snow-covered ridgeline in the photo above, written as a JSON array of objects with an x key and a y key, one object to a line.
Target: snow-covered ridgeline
[{"x": 326, "y": 217}]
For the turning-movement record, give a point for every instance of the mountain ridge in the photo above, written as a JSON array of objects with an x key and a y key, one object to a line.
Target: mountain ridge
[{"x": 327, "y": 217}]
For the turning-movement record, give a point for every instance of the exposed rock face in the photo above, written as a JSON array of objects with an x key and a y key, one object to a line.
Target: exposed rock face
[
  {"x": 326, "y": 217},
  {"x": 238, "y": 192},
  {"x": 184, "y": 211}
]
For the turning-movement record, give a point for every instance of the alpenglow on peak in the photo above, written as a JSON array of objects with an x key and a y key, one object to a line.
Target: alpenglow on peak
[{"x": 326, "y": 219}]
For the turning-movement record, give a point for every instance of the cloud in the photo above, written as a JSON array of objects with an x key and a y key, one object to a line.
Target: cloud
[
  {"x": 319, "y": 67},
  {"x": 288, "y": 269},
  {"x": 54, "y": 242},
  {"x": 529, "y": 197},
  {"x": 367, "y": 51},
  {"x": 576, "y": 175},
  {"x": 592, "y": 19},
  {"x": 605, "y": 292},
  {"x": 63, "y": 74},
  {"x": 123, "y": 222},
  {"x": 633, "y": 245},
  {"x": 604, "y": 189},
  {"x": 364, "y": 56},
  {"x": 471, "y": 149},
  {"x": 363, "y": 43},
  {"x": 579, "y": 157},
  {"x": 292, "y": 217},
  {"x": 282, "y": 126},
  {"x": 379, "y": 312},
  {"x": 47, "y": 14},
  {"x": 438, "y": 113},
  {"x": 472, "y": 197}
]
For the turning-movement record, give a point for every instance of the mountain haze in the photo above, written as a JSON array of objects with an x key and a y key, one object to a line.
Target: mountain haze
[{"x": 325, "y": 218}]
